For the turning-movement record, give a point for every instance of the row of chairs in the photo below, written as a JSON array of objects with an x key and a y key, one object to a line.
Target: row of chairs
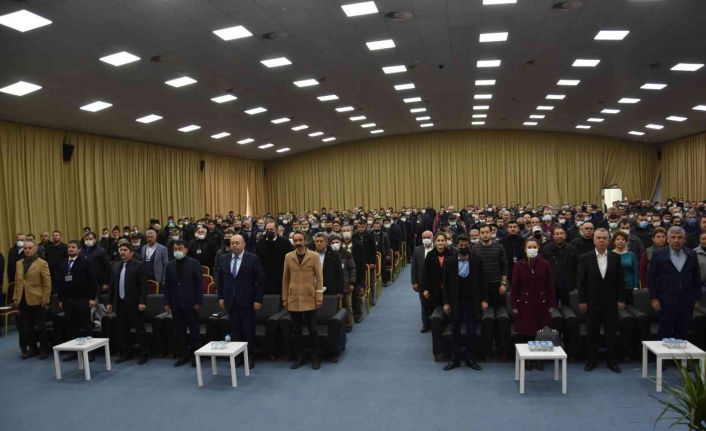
[{"x": 636, "y": 323}]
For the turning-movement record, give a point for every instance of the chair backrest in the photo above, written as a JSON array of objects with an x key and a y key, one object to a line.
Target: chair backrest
[
  {"x": 328, "y": 308},
  {"x": 152, "y": 287},
  {"x": 205, "y": 270},
  {"x": 378, "y": 265},
  {"x": 10, "y": 295},
  {"x": 641, "y": 300},
  {"x": 155, "y": 305},
  {"x": 211, "y": 288},
  {"x": 271, "y": 304},
  {"x": 210, "y": 306},
  {"x": 206, "y": 280}
]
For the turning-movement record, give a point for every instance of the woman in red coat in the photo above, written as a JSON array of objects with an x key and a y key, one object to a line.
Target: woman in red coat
[{"x": 533, "y": 296}]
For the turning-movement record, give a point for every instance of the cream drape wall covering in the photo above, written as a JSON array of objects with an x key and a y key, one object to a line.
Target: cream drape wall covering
[
  {"x": 112, "y": 181},
  {"x": 684, "y": 168},
  {"x": 459, "y": 167}
]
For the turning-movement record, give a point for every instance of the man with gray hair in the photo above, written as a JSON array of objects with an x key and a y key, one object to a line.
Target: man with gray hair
[
  {"x": 674, "y": 281},
  {"x": 155, "y": 256}
]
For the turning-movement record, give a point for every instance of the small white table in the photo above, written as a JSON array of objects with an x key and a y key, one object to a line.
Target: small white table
[
  {"x": 662, "y": 352},
  {"x": 82, "y": 352},
  {"x": 522, "y": 353},
  {"x": 231, "y": 350}
]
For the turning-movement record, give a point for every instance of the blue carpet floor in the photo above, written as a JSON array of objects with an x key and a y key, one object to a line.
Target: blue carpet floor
[{"x": 386, "y": 379}]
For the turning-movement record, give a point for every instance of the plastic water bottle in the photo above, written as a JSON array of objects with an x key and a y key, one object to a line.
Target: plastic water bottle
[
  {"x": 226, "y": 340},
  {"x": 530, "y": 346}
]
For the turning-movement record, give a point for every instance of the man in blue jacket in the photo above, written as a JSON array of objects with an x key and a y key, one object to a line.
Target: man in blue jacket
[
  {"x": 241, "y": 284},
  {"x": 674, "y": 281},
  {"x": 183, "y": 296}
]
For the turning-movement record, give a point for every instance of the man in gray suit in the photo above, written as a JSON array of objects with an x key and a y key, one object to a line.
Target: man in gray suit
[
  {"x": 420, "y": 253},
  {"x": 155, "y": 256}
]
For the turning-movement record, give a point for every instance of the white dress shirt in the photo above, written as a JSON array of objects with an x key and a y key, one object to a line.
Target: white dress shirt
[{"x": 602, "y": 262}]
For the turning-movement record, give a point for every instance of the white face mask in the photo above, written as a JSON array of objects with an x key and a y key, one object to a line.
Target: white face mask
[
  {"x": 426, "y": 242},
  {"x": 20, "y": 244},
  {"x": 336, "y": 246},
  {"x": 175, "y": 237},
  {"x": 475, "y": 241},
  {"x": 347, "y": 235},
  {"x": 547, "y": 218},
  {"x": 89, "y": 243},
  {"x": 201, "y": 236},
  {"x": 179, "y": 255},
  {"x": 291, "y": 241},
  {"x": 532, "y": 253},
  {"x": 449, "y": 243},
  {"x": 562, "y": 221},
  {"x": 105, "y": 236},
  {"x": 626, "y": 231}
]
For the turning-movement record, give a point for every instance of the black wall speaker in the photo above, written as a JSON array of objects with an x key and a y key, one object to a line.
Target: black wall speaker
[{"x": 67, "y": 151}]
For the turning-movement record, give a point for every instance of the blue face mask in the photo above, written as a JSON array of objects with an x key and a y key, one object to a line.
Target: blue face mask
[
  {"x": 691, "y": 221},
  {"x": 643, "y": 224}
]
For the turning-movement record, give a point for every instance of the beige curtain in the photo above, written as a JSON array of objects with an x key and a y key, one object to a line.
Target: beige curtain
[
  {"x": 112, "y": 181},
  {"x": 460, "y": 167},
  {"x": 684, "y": 168}
]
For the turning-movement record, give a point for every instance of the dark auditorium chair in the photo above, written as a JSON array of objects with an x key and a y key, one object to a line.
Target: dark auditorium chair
[
  {"x": 438, "y": 323},
  {"x": 154, "y": 308},
  {"x": 10, "y": 311},
  {"x": 330, "y": 326},
  {"x": 570, "y": 334},
  {"x": 176, "y": 347},
  {"x": 55, "y": 322},
  {"x": 267, "y": 325}
]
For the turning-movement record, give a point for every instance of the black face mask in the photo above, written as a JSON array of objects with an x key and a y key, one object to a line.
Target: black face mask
[
  {"x": 538, "y": 235},
  {"x": 463, "y": 251},
  {"x": 270, "y": 235},
  {"x": 226, "y": 242}
]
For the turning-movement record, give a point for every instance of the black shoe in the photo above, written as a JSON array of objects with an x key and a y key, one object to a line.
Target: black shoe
[
  {"x": 29, "y": 353},
  {"x": 358, "y": 319},
  {"x": 296, "y": 364},
  {"x": 529, "y": 365},
  {"x": 43, "y": 355},
  {"x": 142, "y": 360},
  {"x": 540, "y": 365},
  {"x": 590, "y": 365},
  {"x": 474, "y": 365},
  {"x": 349, "y": 328},
  {"x": 614, "y": 367},
  {"x": 425, "y": 329},
  {"x": 123, "y": 359},
  {"x": 315, "y": 364},
  {"x": 451, "y": 365},
  {"x": 181, "y": 361}
]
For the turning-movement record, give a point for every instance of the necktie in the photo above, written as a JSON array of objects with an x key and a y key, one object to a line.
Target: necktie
[
  {"x": 70, "y": 265},
  {"x": 121, "y": 284},
  {"x": 234, "y": 271}
]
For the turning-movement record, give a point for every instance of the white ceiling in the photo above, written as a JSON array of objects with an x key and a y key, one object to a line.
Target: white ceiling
[{"x": 323, "y": 43}]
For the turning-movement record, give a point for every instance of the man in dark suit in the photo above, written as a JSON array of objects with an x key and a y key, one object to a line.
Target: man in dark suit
[
  {"x": 271, "y": 250},
  {"x": 330, "y": 265},
  {"x": 241, "y": 283},
  {"x": 674, "y": 280},
  {"x": 127, "y": 295},
  {"x": 55, "y": 253},
  {"x": 183, "y": 297},
  {"x": 601, "y": 288},
  {"x": 465, "y": 298},
  {"x": 420, "y": 253},
  {"x": 77, "y": 292},
  {"x": 98, "y": 262}
]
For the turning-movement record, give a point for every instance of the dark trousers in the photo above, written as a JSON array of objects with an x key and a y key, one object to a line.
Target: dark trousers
[
  {"x": 426, "y": 311},
  {"x": 128, "y": 316},
  {"x": 595, "y": 317},
  {"x": 299, "y": 319},
  {"x": 33, "y": 325},
  {"x": 78, "y": 317},
  {"x": 562, "y": 296},
  {"x": 674, "y": 321},
  {"x": 356, "y": 303},
  {"x": 495, "y": 322},
  {"x": 242, "y": 324},
  {"x": 183, "y": 319},
  {"x": 463, "y": 315}
]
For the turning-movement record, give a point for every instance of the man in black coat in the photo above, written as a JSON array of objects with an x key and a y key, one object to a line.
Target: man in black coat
[
  {"x": 127, "y": 295},
  {"x": 55, "y": 253},
  {"x": 601, "y": 288},
  {"x": 674, "y": 280},
  {"x": 183, "y": 297},
  {"x": 584, "y": 242},
  {"x": 417, "y": 274},
  {"x": 330, "y": 265},
  {"x": 465, "y": 298},
  {"x": 77, "y": 292},
  {"x": 98, "y": 262},
  {"x": 352, "y": 245},
  {"x": 271, "y": 250}
]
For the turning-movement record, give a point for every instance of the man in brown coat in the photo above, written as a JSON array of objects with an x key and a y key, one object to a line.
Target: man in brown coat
[
  {"x": 302, "y": 294},
  {"x": 32, "y": 294}
]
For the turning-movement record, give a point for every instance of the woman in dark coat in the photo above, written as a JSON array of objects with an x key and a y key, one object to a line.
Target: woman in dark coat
[
  {"x": 433, "y": 270},
  {"x": 533, "y": 296}
]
